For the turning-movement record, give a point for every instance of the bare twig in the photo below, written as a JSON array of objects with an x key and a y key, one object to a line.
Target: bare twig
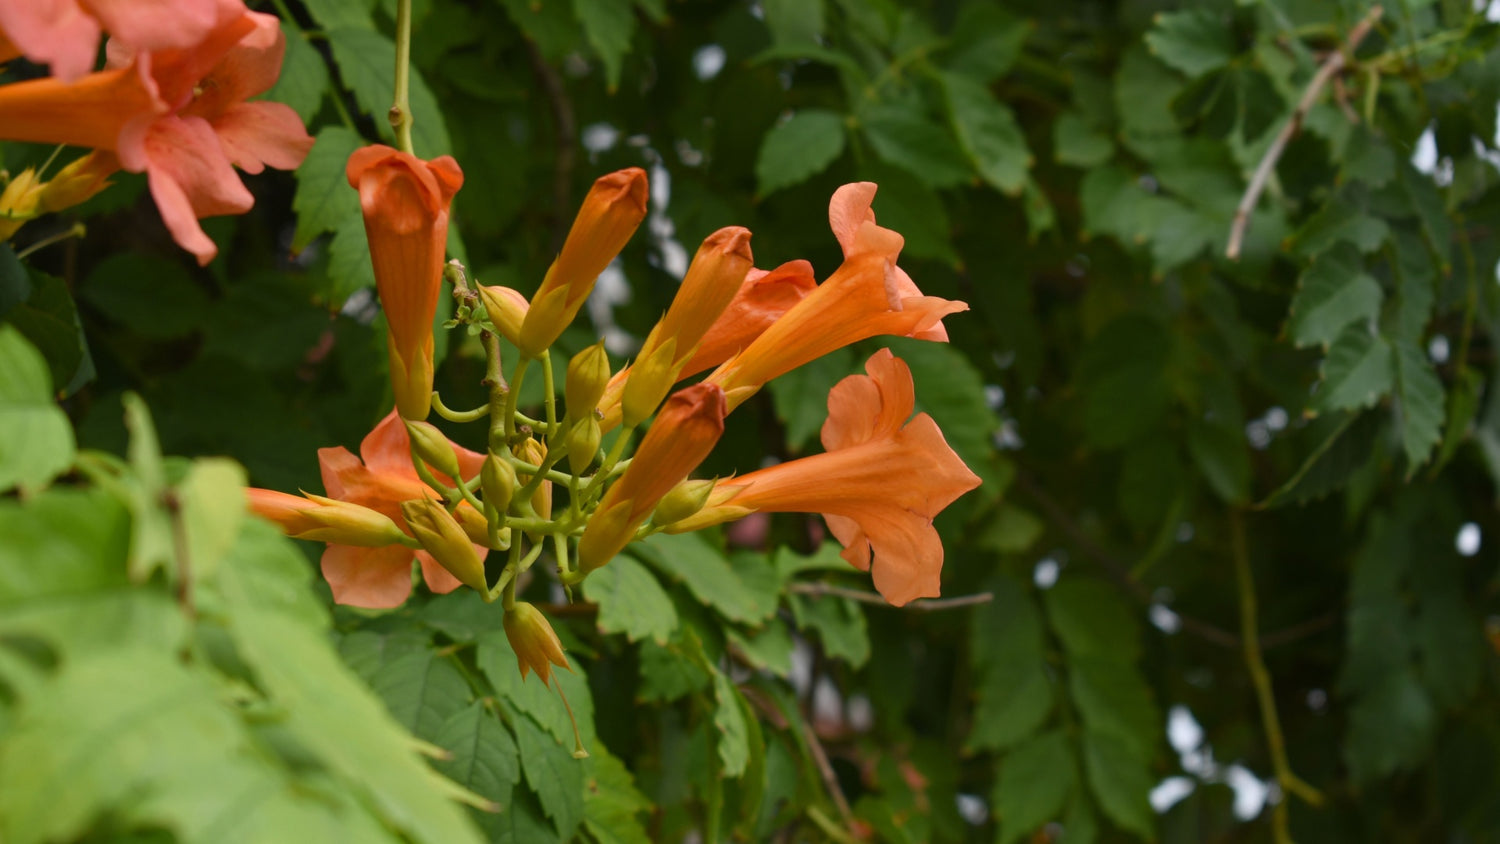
[
  {"x": 816, "y": 589},
  {"x": 825, "y": 769},
  {"x": 1335, "y": 62},
  {"x": 566, "y": 126}
]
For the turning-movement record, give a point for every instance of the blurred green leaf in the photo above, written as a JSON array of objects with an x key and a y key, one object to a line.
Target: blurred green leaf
[
  {"x": 910, "y": 140},
  {"x": 989, "y": 133},
  {"x": 1121, "y": 782},
  {"x": 608, "y": 26},
  {"x": 1194, "y": 41},
  {"x": 36, "y": 442},
  {"x": 365, "y": 58},
  {"x": 798, "y": 149},
  {"x": 1357, "y": 372},
  {"x": 1035, "y": 779},
  {"x": 1333, "y": 292},
  {"x": 706, "y": 573},
  {"x": 1077, "y": 144},
  {"x": 1092, "y": 619},
  {"x": 1420, "y": 401},
  {"x": 304, "y": 77},
  {"x": 839, "y": 623}
]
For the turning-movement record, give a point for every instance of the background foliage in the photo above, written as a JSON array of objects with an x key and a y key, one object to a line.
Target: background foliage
[{"x": 1172, "y": 443}]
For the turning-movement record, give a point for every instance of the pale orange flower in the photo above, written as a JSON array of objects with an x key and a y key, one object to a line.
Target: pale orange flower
[
  {"x": 879, "y": 485},
  {"x": 614, "y": 207},
  {"x": 65, "y": 33},
  {"x": 405, "y": 202},
  {"x": 866, "y": 297},
  {"x": 761, "y": 300},
  {"x": 686, "y": 430},
  {"x": 376, "y": 577},
  {"x": 180, "y": 116}
]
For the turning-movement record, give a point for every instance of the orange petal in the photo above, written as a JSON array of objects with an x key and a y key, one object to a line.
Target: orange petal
[{"x": 375, "y": 578}]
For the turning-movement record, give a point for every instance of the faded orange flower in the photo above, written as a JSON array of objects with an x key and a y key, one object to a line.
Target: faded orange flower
[
  {"x": 65, "y": 33},
  {"x": 377, "y": 577},
  {"x": 405, "y": 203},
  {"x": 879, "y": 485}
]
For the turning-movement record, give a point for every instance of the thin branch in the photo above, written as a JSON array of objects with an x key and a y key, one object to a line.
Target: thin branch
[
  {"x": 567, "y": 141},
  {"x": 818, "y": 589},
  {"x": 1335, "y": 62},
  {"x": 825, "y": 769},
  {"x": 1261, "y": 679}
]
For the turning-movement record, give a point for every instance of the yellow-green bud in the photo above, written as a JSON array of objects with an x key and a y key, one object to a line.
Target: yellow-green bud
[
  {"x": 534, "y": 641},
  {"x": 684, "y": 500},
  {"x": 497, "y": 479},
  {"x": 344, "y": 523},
  {"x": 531, "y": 451},
  {"x": 444, "y": 538},
  {"x": 651, "y": 378},
  {"x": 507, "y": 309},
  {"x": 583, "y": 443},
  {"x": 588, "y": 375},
  {"x": 433, "y": 448}
]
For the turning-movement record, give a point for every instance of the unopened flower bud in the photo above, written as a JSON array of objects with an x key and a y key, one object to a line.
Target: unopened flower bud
[
  {"x": 477, "y": 528},
  {"x": 507, "y": 309},
  {"x": 79, "y": 181},
  {"x": 588, "y": 375},
  {"x": 534, "y": 641},
  {"x": 651, "y": 378},
  {"x": 497, "y": 479},
  {"x": 583, "y": 443},
  {"x": 444, "y": 538},
  {"x": 325, "y": 519},
  {"x": 433, "y": 448},
  {"x": 535, "y": 453},
  {"x": 684, "y": 500}
]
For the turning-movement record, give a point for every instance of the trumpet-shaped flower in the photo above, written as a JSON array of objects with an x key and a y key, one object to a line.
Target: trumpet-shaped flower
[
  {"x": 180, "y": 116},
  {"x": 610, "y": 214},
  {"x": 534, "y": 641},
  {"x": 879, "y": 485},
  {"x": 761, "y": 300},
  {"x": 686, "y": 430},
  {"x": 378, "y": 577},
  {"x": 405, "y": 203},
  {"x": 65, "y": 33},
  {"x": 867, "y": 296},
  {"x": 715, "y": 276}
]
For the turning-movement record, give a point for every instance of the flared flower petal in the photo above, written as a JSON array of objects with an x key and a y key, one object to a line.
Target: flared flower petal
[
  {"x": 879, "y": 485},
  {"x": 65, "y": 33},
  {"x": 405, "y": 202},
  {"x": 374, "y": 578}
]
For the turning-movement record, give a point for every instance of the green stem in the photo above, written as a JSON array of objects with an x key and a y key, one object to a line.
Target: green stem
[
  {"x": 458, "y": 415},
  {"x": 1260, "y": 677},
  {"x": 400, "y": 116},
  {"x": 549, "y": 391},
  {"x": 514, "y": 396},
  {"x": 77, "y": 230},
  {"x": 606, "y": 470}
]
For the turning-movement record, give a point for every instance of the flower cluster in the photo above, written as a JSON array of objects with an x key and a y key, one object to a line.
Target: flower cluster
[
  {"x": 549, "y": 484},
  {"x": 171, "y": 102}
]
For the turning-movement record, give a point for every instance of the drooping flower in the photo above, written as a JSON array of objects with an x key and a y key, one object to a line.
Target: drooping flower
[
  {"x": 378, "y": 577},
  {"x": 65, "y": 33},
  {"x": 879, "y": 485},
  {"x": 405, "y": 203},
  {"x": 761, "y": 300},
  {"x": 714, "y": 277},
  {"x": 535, "y": 642},
  {"x": 866, "y": 297},
  {"x": 614, "y": 207},
  {"x": 180, "y": 116},
  {"x": 686, "y": 430}
]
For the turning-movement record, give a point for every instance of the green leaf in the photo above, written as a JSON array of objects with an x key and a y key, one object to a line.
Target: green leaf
[
  {"x": 1113, "y": 699},
  {"x": 985, "y": 41},
  {"x": 423, "y": 690},
  {"x": 1340, "y": 222},
  {"x": 1121, "y": 781},
  {"x": 1391, "y": 728},
  {"x": 989, "y": 133},
  {"x": 1010, "y": 530},
  {"x": 1194, "y": 41},
  {"x": 1223, "y": 458},
  {"x": 1333, "y": 292},
  {"x": 910, "y": 140},
  {"x": 49, "y": 320},
  {"x": 550, "y": 25},
  {"x": 365, "y": 58},
  {"x": 1463, "y": 407},
  {"x": 1015, "y": 698},
  {"x": 1369, "y": 159},
  {"x": 840, "y": 625},
  {"x": 324, "y": 201},
  {"x": 1357, "y": 372},
  {"x": 1114, "y": 203},
  {"x": 1419, "y": 404},
  {"x": 631, "y": 601},
  {"x": 82, "y": 536},
  {"x": 769, "y": 648},
  {"x": 304, "y": 76},
  {"x": 554, "y": 776},
  {"x": 151, "y": 295},
  {"x": 349, "y": 266},
  {"x": 689, "y": 559},
  {"x": 794, "y": 22},
  {"x": 541, "y": 703},
  {"x": 1092, "y": 619},
  {"x": 485, "y": 758},
  {"x": 609, "y": 25},
  {"x": 36, "y": 441},
  {"x": 1009, "y": 627},
  {"x": 732, "y": 739},
  {"x": 1077, "y": 144},
  {"x": 907, "y": 205},
  {"x": 337, "y": 14},
  {"x": 673, "y": 671},
  {"x": 798, "y": 148},
  {"x": 1035, "y": 779},
  {"x": 212, "y": 502},
  {"x": 611, "y": 802},
  {"x": 366, "y": 652}
]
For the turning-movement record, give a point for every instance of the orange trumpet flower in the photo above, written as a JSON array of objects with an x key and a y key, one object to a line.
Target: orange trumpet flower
[
  {"x": 180, "y": 116},
  {"x": 879, "y": 485},
  {"x": 65, "y": 33},
  {"x": 615, "y": 206},
  {"x": 686, "y": 430},
  {"x": 405, "y": 202},
  {"x": 377, "y": 577}
]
